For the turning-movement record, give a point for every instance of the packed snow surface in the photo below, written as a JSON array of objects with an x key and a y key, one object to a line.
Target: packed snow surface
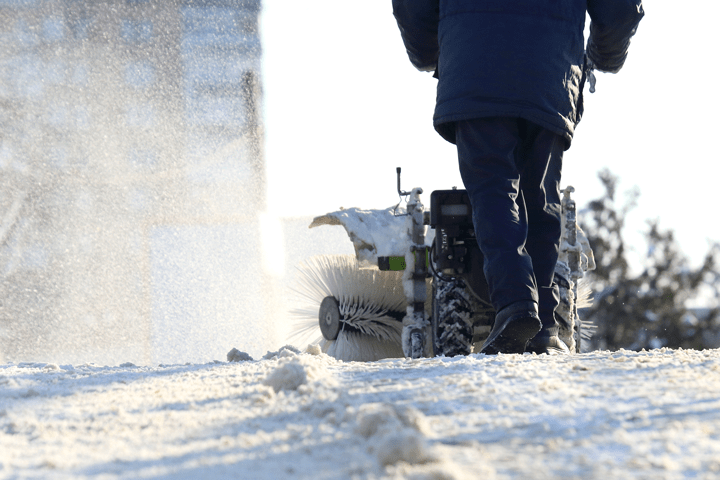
[{"x": 653, "y": 415}]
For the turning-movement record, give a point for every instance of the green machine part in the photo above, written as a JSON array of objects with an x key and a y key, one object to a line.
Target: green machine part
[{"x": 397, "y": 263}]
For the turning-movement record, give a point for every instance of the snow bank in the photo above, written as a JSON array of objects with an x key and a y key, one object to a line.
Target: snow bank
[{"x": 627, "y": 415}]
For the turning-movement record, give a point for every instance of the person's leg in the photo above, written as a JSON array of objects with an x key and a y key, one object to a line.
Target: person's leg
[
  {"x": 487, "y": 154},
  {"x": 487, "y": 150},
  {"x": 541, "y": 155}
]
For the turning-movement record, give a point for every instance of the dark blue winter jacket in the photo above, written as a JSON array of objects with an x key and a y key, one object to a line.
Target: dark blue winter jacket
[{"x": 520, "y": 58}]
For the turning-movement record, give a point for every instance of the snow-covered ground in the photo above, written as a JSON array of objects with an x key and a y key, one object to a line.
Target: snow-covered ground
[{"x": 606, "y": 415}]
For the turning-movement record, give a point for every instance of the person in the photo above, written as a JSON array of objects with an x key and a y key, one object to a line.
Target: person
[{"x": 510, "y": 76}]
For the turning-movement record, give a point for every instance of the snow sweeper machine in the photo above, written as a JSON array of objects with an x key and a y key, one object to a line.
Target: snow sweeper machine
[{"x": 415, "y": 286}]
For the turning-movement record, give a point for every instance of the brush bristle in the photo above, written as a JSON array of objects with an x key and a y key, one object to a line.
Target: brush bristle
[
  {"x": 585, "y": 300},
  {"x": 584, "y": 294},
  {"x": 355, "y": 347},
  {"x": 365, "y": 296}
]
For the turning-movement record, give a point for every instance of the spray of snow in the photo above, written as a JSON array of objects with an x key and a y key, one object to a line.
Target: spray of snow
[{"x": 132, "y": 180}]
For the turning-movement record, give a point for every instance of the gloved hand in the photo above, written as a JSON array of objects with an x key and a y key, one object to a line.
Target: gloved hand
[
  {"x": 605, "y": 51},
  {"x": 613, "y": 24}
]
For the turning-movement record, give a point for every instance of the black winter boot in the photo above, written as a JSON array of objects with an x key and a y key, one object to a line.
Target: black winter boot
[
  {"x": 514, "y": 326},
  {"x": 547, "y": 340}
]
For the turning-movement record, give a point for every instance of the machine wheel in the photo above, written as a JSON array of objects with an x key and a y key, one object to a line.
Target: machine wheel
[
  {"x": 329, "y": 318},
  {"x": 452, "y": 318}
]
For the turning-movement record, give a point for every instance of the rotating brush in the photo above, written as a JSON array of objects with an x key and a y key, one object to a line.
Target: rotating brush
[
  {"x": 585, "y": 300},
  {"x": 357, "y": 310}
]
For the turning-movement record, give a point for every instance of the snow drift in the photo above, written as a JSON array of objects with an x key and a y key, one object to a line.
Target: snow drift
[{"x": 306, "y": 415}]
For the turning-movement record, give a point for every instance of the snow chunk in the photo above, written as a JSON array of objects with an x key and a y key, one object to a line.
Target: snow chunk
[
  {"x": 293, "y": 372},
  {"x": 396, "y": 434},
  {"x": 236, "y": 355},
  {"x": 443, "y": 470},
  {"x": 404, "y": 446},
  {"x": 284, "y": 352},
  {"x": 287, "y": 377},
  {"x": 378, "y": 417}
]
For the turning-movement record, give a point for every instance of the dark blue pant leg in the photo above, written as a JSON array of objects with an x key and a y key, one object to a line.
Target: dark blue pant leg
[
  {"x": 486, "y": 152},
  {"x": 542, "y": 154},
  {"x": 511, "y": 170}
]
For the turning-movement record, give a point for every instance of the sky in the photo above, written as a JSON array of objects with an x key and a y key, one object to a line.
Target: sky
[{"x": 344, "y": 107}]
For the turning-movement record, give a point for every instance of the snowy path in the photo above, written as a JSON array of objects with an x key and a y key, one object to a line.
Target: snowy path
[{"x": 606, "y": 415}]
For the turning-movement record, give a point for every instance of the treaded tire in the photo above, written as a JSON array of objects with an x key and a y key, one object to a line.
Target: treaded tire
[{"x": 452, "y": 319}]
